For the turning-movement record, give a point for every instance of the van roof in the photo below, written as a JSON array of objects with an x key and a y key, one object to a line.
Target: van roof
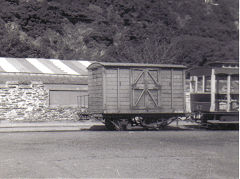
[{"x": 111, "y": 64}]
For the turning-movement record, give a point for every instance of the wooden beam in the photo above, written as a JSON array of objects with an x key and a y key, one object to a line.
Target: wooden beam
[
  {"x": 228, "y": 92},
  {"x": 196, "y": 84},
  {"x": 139, "y": 98},
  {"x": 190, "y": 85},
  {"x": 156, "y": 83},
  {"x": 203, "y": 83},
  {"x": 131, "y": 88},
  {"x": 137, "y": 79},
  {"x": 158, "y": 91},
  {"x": 152, "y": 98},
  {"x": 213, "y": 91},
  {"x": 104, "y": 89},
  {"x": 133, "y": 93},
  {"x": 184, "y": 89},
  {"x": 171, "y": 88},
  {"x": 118, "y": 84},
  {"x": 145, "y": 87}
]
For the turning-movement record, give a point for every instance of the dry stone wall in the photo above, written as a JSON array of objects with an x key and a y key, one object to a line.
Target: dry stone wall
[{"x": 30, "y": 101}]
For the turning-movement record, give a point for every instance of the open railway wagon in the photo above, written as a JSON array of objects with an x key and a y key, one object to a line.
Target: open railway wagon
[
  {"x": 149, "y": 95},
  {"x": 214, "y": 92}
]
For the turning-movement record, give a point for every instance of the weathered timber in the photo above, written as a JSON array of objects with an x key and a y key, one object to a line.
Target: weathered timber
[{"x": 133, "y": 89}]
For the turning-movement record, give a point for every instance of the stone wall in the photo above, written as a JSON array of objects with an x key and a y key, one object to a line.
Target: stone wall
[{"x": 30, "y": 101}]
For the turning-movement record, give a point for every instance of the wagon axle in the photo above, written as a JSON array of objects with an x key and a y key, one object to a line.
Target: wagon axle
[{"x": 147, "y": 123}]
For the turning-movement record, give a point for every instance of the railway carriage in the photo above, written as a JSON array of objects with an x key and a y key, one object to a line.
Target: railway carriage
[
  {"x": 150, "y": 95},
  {"x": 214, "y": 91}
]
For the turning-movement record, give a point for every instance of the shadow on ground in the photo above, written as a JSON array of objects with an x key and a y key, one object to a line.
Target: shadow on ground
[{"x": 210, "y": 127}]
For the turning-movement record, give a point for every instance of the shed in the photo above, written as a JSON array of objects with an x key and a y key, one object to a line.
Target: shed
[
  {"x": 133, "y": 88},
  {"x": 215, "y": 88},
  {"x": 40, "y": 89}
]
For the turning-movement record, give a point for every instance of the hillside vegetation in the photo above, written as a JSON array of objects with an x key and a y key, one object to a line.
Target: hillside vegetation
[{"x": 189, "y": 32}]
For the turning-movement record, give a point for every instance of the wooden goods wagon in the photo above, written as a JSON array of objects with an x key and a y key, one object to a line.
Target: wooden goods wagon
[
  {"x": 140, "y": 94},
  {"x": 214, "y": 91}
]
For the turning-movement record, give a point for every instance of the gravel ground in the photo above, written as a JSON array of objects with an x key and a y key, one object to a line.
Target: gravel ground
[{"x": 167, "y": 154}]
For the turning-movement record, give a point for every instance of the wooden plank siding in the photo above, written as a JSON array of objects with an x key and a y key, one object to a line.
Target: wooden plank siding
[
  {"x": 95, "y": 90},
  {"x": 124, "y": 89},
  {"x": 117, "y": 89},
  {"x": 111, "y": 89},
  {"x": 172, "y": 89},
  {"x": 178, "y": 90},
  {"x": 165, "y": 93}
]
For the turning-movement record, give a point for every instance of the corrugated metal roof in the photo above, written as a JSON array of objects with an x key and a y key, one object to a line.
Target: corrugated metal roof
[
  {"x": 110, "y": 64},
  {"x": 45, "y": 66}
]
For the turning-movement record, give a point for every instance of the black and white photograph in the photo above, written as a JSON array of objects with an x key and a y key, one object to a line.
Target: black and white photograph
[{"x": 119, "y": 89}]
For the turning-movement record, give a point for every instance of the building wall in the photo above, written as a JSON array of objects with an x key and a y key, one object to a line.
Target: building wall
[{"x": 30, "y": 101}]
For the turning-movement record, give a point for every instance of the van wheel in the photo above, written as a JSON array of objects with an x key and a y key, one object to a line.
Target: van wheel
[{"x": 109, "y": 125}]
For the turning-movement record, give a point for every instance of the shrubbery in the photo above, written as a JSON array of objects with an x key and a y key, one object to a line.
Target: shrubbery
[{"x": 187, "y": 32}]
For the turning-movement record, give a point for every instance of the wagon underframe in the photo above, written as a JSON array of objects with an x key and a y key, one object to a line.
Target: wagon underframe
[{"x": 116, "y": 121}]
